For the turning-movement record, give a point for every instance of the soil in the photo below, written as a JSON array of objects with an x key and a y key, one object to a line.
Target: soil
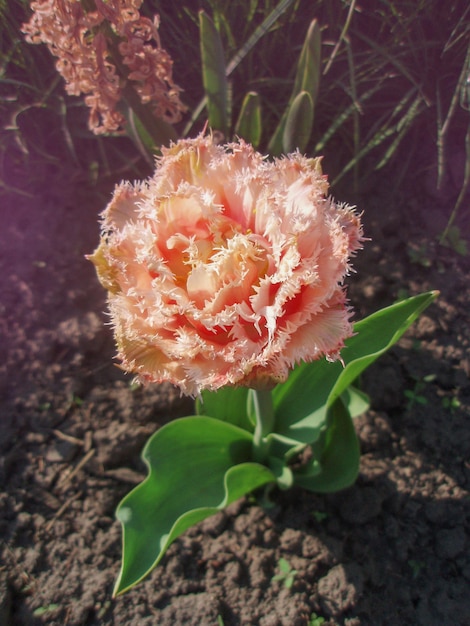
[{"x": 391, "y": 550}]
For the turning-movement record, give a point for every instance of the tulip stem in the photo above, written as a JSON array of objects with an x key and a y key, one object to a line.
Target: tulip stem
[{"x": 261, "y": 408}]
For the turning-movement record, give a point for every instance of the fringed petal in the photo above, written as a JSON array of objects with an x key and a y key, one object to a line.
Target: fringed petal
[{"x": 225, "y": 268}]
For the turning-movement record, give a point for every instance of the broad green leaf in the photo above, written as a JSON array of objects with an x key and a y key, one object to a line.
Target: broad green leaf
[
  {"x": 356, "y": 401},
  {"x": 299, "y": 121},
  {"x": 336, "y": 466},
  {"x": 301, "y": 403},
  {"x": 197, "y": 465},
  {"x": 228, "y": 404},
  {"x": 148, "y": 132},
  {"x": 307, "y": 79},
  {"x": 248, "y": 125},
  {"x": 213, "y": 73}
]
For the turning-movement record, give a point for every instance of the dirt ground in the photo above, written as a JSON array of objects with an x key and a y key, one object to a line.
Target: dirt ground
[{"x": 392, "y": 550}]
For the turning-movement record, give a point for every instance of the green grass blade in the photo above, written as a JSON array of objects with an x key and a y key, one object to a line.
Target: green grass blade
[
  {"x": 258, "y": 33},
  {"x": 460, "y": 92},
  {"x": 389, "y": 56},
  {"x": 343, "y": 117},
  {"x": 463, "y": 190},
  {"x": 342, "y": 36},
  {"x": 213, "y": 74},
  {"x": 403, "y": 126},
  {"x": 388, "y": 128}
]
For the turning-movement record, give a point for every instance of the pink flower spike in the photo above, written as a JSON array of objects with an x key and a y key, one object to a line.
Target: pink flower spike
[{"x": 77, "y": 33}]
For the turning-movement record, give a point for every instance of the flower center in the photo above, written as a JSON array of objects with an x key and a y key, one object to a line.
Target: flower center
[{"x": 228, "y": 276}]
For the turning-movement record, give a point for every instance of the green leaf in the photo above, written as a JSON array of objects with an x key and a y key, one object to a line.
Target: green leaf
[
  {"x": 260, "y": 31},
  {"x": 307, "y": 79},
  {"x": 356, "y": 401},
  {"x": 141, "y": 138},
  {"x": 344, "y": 115},
  {"x": 453, "y": 238},
  {"x": 301, "y": 403},
  {"x": 335, "y": 464},
  {"x": 308, "y": 68},
  {"x": 148, "y": 132},
  {"x": 248, "y": 125},
  {"x": 228, "y": 404},
  {"x": 386, "y": 127},
  {"x": 299, "y": 121},
  {"x": 282, "y": 472},
  {"x": 197, "y": 465},
  {"x": 284, "y": 566},
  {"x": 213, "y": 74}
]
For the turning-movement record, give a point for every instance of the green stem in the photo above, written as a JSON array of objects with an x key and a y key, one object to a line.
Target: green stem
[{"x": 260, "y": 406}]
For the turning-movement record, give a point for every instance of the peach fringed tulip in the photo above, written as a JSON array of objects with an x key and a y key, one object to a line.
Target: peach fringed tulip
[
  {"x": 225, "y": 268},
  {"x": 80, "y": 39}
]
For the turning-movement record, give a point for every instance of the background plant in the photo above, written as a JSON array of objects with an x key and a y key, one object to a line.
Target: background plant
[
  {"x": 43, "y": 131},
  {"x": 286, "y": 573},
  {"x": 389, "y": 69}
]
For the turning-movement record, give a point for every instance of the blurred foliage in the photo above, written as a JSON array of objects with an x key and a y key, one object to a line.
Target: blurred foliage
[
  {"x": 43, "y": 131},
  {"x": 391, "y": 69}
]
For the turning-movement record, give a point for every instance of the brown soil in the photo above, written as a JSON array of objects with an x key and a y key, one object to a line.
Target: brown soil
[{"x": 392, "y": 550}]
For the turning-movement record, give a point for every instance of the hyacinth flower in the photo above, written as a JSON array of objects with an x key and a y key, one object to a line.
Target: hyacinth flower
[
  {"x": 225, "y": 276},
  {"x": 112, "y": 55}
]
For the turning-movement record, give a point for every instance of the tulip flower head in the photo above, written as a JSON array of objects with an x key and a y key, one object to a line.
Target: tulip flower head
[{"x": 226, "y": 268}]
